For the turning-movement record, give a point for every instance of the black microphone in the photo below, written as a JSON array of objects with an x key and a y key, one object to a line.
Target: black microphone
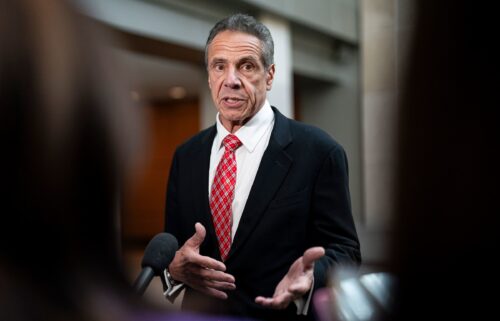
[{"x": 158, "y": 254}]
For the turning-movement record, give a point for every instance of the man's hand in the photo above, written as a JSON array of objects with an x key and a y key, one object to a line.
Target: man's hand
[
  {"x": 200, "y": 272},
  {"x": 296, "y": 283}
]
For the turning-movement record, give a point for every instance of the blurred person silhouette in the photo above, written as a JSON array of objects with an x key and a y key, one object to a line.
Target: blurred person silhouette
[
  {"x": 445, "y": 238},
  {"x": 67, "y": 135},
  {"x": 63, "y": 138},
  {"x": 259, "y": 202},
  {"x": 446, "y": 235}
]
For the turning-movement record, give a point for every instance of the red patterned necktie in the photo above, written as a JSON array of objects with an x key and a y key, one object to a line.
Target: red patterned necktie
[{"x": 222, "y": 194}]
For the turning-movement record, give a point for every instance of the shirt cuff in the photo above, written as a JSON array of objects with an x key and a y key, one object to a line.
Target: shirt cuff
[
  {"x": 171, "y": 290},
  {"x": 174, "y": 292},
  {"x": 303, "y": 302}
]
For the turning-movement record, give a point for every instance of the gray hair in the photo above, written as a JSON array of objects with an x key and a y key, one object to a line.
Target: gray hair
[{"x": 247, "y": 24}]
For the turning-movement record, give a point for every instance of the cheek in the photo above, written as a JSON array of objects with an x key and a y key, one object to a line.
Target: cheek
[
  {"x": 259, "y": 89},
  {"x": 213, "y": 80},
  {"x": 251, "y": 88},
  {"x": 214, "y": 86}
]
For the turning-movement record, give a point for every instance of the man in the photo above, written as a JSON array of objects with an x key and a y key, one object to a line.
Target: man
[{"x": 266, "y": 197}]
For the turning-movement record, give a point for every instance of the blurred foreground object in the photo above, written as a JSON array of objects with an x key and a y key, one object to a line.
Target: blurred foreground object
[
  {"x": 157, "y": 256},
  {"x": 350, "y": 297}
]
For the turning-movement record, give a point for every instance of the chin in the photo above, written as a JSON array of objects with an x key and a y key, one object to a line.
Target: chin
[{"x": 234, "y": 117}]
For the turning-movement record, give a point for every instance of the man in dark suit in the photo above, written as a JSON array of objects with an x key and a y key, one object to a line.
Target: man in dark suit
[{"x": 270, "y": 210}]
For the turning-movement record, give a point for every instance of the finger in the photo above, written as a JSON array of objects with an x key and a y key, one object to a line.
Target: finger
[
  {"x": 218, "y": 276},
  {"x": 265, "y": 302},
  {"x": 311, "y": 255},
  {"x": 209, "y": 291},
  {"x": 220, "y": 285},
  {"x": 214, "y": 292},
  {"x": 198, "y": 237},
  {"x": 197, "y": 278},
  {"x": 280, "y": 301},
  {"x": 301, "y": 287},
  {"x": 207, "y": 262}
]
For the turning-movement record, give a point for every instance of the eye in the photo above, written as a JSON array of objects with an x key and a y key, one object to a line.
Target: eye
[
  {"x": 218, "y": 67},
  {"x": 247, "y": 67}
]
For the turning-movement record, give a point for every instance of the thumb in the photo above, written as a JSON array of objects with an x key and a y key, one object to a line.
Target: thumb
[
  {"x": 198, "y": 237},
  {"x": 311, "y": 255}
]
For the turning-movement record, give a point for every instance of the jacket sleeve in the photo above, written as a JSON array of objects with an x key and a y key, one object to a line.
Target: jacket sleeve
[{"x": 333, "y": 225}]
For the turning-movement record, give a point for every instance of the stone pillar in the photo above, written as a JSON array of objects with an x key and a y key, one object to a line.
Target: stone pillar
[{"x": 281, "y": 95}]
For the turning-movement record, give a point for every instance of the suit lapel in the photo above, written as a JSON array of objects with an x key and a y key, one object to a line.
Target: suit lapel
[
  {"x": 273, "y": 168},
  {"x": 199, "y": 178}
]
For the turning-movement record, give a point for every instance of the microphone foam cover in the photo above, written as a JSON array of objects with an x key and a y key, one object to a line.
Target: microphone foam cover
[{"x": 159, "y": 252}]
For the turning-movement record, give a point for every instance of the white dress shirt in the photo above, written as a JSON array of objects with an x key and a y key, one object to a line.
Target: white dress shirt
[{"x": 254, "y": 136}]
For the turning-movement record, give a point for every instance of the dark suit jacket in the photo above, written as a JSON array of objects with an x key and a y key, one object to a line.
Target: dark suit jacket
[{"x": 300, "y": 198}]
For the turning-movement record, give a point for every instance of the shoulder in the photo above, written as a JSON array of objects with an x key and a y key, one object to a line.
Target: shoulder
[
  {"x": 305, "y": 135},
  {"x": 315, "y": 141},
  {"x": 198, "y": 141},
  {"x": 311, "y": 134}
]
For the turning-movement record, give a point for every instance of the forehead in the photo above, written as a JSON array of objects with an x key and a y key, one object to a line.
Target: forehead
[{"x": 233, "y": 44}]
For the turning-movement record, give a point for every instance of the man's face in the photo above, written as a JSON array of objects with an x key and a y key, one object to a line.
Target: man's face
[{"x": 237, "y": 78}]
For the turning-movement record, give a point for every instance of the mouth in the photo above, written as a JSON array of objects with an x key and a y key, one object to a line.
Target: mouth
[{"x": 232, "y": 100}]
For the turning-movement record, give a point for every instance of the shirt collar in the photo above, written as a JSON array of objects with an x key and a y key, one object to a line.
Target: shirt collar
[{"x": 252, "y": 132}]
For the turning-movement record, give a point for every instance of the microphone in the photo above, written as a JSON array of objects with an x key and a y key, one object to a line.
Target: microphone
[{"x": 158, "y": 254}]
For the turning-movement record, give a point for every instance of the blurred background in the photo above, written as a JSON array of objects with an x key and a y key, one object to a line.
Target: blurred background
[{"x": 338, "y": 64}]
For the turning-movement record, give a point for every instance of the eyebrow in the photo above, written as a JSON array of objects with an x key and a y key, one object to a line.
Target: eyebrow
[
  {"x": 243, "y": 59},
  {"x": 247, "y": 58},
  {"x": 217, "y": 60}
]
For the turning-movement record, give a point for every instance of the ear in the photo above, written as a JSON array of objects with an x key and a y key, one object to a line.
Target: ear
[
  {"x": 209, "y": 84},
  {"x": 270, "y": 77}
]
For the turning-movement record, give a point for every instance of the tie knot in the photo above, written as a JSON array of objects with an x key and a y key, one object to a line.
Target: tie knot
[{"x": 231, "y": 142}]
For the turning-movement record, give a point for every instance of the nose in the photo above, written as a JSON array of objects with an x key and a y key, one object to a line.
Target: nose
[{"x": 232, "y": 79}]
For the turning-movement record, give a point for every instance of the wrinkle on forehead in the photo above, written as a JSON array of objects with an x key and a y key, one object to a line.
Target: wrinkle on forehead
[{"x": 235, "y": 43}]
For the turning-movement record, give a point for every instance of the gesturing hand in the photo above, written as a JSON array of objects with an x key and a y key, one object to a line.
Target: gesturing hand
[
  {"x": 200, "y": 272},
  {"x": 296, "y": 283}
]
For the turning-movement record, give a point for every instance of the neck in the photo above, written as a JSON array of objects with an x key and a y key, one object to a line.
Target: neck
[{"x": 233, "y": 126}]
